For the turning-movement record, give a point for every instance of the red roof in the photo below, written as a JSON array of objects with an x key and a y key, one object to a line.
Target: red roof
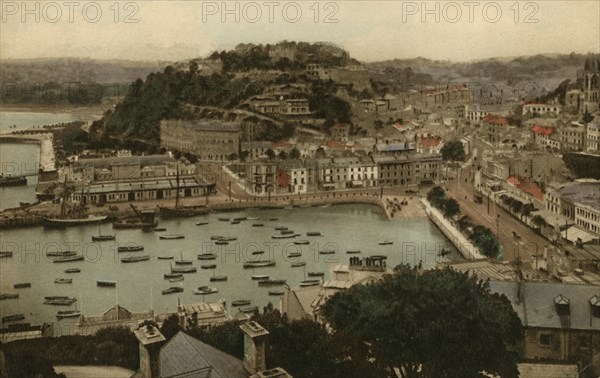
[
  {"x": 340, "y": 126},
  {"x": 496, "y": 120},
  {"x": 430, "y": 142},
  {"x": 542, "y": 130},
  {"x": 526, "y": 186}
]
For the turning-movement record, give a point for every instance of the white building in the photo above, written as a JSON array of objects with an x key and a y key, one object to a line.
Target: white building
[
  {"x": 578, "y": 201},
  {"x": 541, "y": 109},
  {"x": 593, "y": 137}
]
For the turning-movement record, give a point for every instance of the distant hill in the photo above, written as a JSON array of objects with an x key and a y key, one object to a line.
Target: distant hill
[
  {"x": 65, "y": 70},
  {"x": 545, "y": 71}
]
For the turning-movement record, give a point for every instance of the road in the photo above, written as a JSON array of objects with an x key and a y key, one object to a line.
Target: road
[{"x": 498, "y": 220}]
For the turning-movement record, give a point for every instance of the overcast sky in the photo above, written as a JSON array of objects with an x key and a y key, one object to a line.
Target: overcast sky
[{"x": 369, "y": 30}]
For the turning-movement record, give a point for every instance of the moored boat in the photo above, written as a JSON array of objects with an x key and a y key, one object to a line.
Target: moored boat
[
  {"x": 259, "y": 277},
  {"x": 316, "y": 274},
  {"x": 159, "y": 229},
  {"x": 71, "y": 222},
  {"x": 183, "y": 269},
  {"x": 224, "y": 219},
  {"x": 12, "y": 180},
  {"x": 273, "y": 219},
  {"x": 61, "y": 253},
  {"x": 252, "y": 218},
  {"x": 293, "y": 254},
  {"x": 68, "y": 314},
  {"x": 8, "y": 296},
  {"x": 258, "y": 252},
  {"x": 6, "y": 254},
  {"x": 130, "y": 248},
  {"x": 208, "y": 266},
  {"x": 276, "y": 292},
  {"x": 309, "y": 283},
  {"x": 235, "y": 222},
  {"x": 221, "y": 242},
  {"x": 284, "y": 236},
  {"x": 103, "y": 238},
  {"x": 281, "y": 228},
  {"x": 106, "y": 283},
  {"x": 313, "y": 233},
  {"x": 171, "y": 237},
  {"x": 73, "y": 270},
  {"x": 177, "y": 279},
  {"x": 259, "y": 263},
  {"x": 69, "y": 259},
  {"x": 353, "y": 252},
  {"x": 298, "y": 264},
  {"x": 133, "y": 259},
  {"x": 63, "y": 280},
  {"x": 165, "y": 257},
  {"x": 287, "y": 232},
  {"x": 271, "y": 282},
  {"x": 240, "y": 302},
  {"x": 172, "y": 290},
  {"x": 218, "y": 278},
  {"x": 201, "y": 223},
  {"x": 207, "y": 256},
  {"x": 258, "y": 224},
  {"x": 326, "y": 252},
  {"x": 249, "y": 309},
  {"x": 173, "y": 275},
  {"x": 301, "y": 242},
  {"x": 22, "y": 285},
  {"x": 59, "y": 301},
  {"x": 386, "y": 242},
  {"x": 13, "y": 318},
  {"x": 204, "y": 290},
  {"x": 183, "y": 262}
]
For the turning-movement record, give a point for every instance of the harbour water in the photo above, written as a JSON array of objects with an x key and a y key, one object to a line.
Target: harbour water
[
  {"x": 139, "y": 285},
  {"x": 21, "y": 158}
]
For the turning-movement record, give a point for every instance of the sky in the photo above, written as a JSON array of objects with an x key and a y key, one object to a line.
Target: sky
[{"x": 155, "y": 30}]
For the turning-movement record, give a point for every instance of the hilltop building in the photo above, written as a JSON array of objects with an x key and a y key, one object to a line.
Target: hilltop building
[{"x": 208, "y": 140}]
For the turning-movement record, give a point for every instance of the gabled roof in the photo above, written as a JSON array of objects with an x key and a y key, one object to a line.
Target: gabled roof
[
  {"x": 536, "y": 305},
  {"x": 184, "y": 356}
]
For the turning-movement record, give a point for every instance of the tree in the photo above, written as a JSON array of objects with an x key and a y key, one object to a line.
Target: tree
[
  {"x": 320, "y": 153},
  {"x": 437, "y": 196},
  {"x": 283, "y": 155},
  {"x": 270, "y": 154},
  {"x": 170, "y": 327},
  {"x": 451, "y": 207},
  {"x": 486, "y": 241},
  {"x": 439, "y": 323},
  {"x": 295, "y": 153},
  {"x": 539, "y": 221},
  {"x": 453, "y": 151}
]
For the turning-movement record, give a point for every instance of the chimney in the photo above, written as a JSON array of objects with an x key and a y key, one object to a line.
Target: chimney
[
  {"x": 151, "y": 340},
  {"x": 255, "y": 340}
]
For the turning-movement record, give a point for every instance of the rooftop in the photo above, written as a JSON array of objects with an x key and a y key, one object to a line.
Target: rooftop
[
  {"x": 585, "y": 192},
  {"x": 185, "y": 356},
  {"x": 125, "y": 160},
  {"x": 536, "y": 304}
]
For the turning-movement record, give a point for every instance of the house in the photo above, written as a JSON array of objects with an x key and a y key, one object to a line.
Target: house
[
  {"x": 540, "y": 109},
  {"x": 408, "y": 169},
  {"x": 340, "y": 132},
  {"x": 545, "y": 137},
  {"x": 256, "y": 149},
  {"x": 579, "y": 201},
  {"x": 593, "y": 137},
  {"x": 114, "y": 316},
  {"x": 561, "y": 321},
  {"x": 292, "y": 177},
  {"x": 573, "y": 137},
  {"x": 495, "y": 128},
  {"x": 185, "y": 356}
]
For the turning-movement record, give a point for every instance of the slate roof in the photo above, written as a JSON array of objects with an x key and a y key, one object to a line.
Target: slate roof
[
  {"x": 537, "y": 307},
  {"x": 584, "y": 192},
  {"x": 184, "y": 356}
]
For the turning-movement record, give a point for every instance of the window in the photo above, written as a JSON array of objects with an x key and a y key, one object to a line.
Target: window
[{"x": 545, "y": 339}]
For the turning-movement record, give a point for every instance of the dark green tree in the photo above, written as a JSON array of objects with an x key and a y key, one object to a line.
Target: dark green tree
[
  {"x": 439, "y": 323},
  {"x": 295, "y": 153},
  {"x": 486, "y": 241},
  {"x": 453, "y": 151},
  {"x": 270, "y": 154},
  {"x": 451, "y": 207},
  {"x": 170, "y": 327}
]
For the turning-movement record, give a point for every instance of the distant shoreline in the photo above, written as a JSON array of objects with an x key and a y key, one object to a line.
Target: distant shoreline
[{"x": 55, "y": 109}]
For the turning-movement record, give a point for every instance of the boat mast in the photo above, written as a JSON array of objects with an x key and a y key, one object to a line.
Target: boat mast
[
  {"x": 64, "y": 199},
  {"x": 177, "y": 193}
]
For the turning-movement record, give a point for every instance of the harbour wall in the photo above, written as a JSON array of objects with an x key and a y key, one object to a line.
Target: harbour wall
[{"x": 464, "y": 245}]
